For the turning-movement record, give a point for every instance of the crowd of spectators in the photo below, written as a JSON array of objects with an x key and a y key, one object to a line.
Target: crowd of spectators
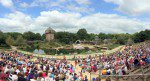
[
  {"x": 119, "y": 62},
  {"x": 16, "y": 66}
]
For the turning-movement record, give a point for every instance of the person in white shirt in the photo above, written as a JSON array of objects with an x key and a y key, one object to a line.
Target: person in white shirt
[
  {"x": 44, "y": 67},
  {"x": 108, "y": 71},
  {"x": 17, "y": 71},
  {"x": 12, "y": 70},
  {"x": 24, "y": 69},
  {"x": 6, "y": 69},
  {"x": 14, "y": 77}
]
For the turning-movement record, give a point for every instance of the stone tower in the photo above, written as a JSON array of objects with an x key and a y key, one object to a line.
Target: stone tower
[{"x": 49, "y": 32}]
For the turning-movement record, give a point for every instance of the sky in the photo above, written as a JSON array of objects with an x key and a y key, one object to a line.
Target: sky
[{"x": 96, "y": 16}]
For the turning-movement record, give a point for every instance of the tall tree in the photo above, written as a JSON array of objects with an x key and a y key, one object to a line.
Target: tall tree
[
  {"x": 20, "y": 41},
  {"x": 102, "y": 36},
  {"x": 2, "y": 39},
  {"x": 114, "y": 40},
  {"x": 141, "y": 36},
  {"x": 82, "y": 34},
  {"x": 130, "y": 41},
  {"x": 65, "y": 37},
  {"x": 30, "y": 36},
  {"x": 38, "y": 36},
  {"x": 9, "y": 41},
  {"x": 43, "y": 37},
  {"x": 14, "y": 35}
]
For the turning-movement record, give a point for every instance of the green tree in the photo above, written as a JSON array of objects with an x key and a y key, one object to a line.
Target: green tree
[
  {"x": 82, "y": 34},
  {"x": 91, "y": 36},
  {"x": 141, "y": 36},
  {"x": 30, "y": 36},
  {"x": 122, "y": 38},
  {"x": 9, "y": 41},
  {"x": 102, "y": 36},
  {"x": 20, "y": 41},
  {"x": 43, "y": 37},
  {"x": 114, "y": 40},
  {"x": 14, "y": 35},
  {"x": 38, "y": 36},
  {"x": 2, "y": 39},
  {"x": 130, "y": 41},
  {"x": 65, "y": 37}
]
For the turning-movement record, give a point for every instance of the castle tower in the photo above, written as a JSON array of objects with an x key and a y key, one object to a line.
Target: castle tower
[{"x": 49, "y": 32}]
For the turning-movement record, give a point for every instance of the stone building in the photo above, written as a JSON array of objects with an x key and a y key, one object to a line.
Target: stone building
[{"x": 49, "y": 32}]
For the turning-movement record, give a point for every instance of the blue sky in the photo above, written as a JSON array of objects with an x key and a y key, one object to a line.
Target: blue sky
[{"x": 108, "y": 16}]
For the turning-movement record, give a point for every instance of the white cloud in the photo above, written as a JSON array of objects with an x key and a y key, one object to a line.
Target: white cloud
[
  {"x": 24, "y": 5},
  {"x": 133, "y": 7},
  {"x": 16, "y": 22},
  {"x": 7, "y": 3},
  {"x": 39, "y": 3},
  {"x": 65, "y": 5},
  {"x": 57, "y": 20},
  {"x": 74, "y": 8},
  {"x": 95, "y": 23},
  {"x": 86, "y": 2}
]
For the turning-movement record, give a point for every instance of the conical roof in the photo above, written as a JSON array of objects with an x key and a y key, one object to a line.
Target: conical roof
[{"x": 49, "y": 30}]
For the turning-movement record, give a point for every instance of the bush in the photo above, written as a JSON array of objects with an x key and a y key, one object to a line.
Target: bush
[
  {"x": 64, "y": 51},
  {"x": 27, "y": 48},
  {"x": 50, "y": 51}
]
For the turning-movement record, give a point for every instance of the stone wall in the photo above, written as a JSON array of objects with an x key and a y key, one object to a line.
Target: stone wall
[{"x": 49, "y": 37}]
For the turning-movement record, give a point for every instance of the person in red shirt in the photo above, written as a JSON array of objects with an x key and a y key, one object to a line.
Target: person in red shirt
[
  {"x": 3, "y": 76},
  {"x": 142, "y": 63}
]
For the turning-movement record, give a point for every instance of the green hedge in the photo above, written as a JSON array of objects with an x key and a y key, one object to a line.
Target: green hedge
[
  {"x": 64, "y": 51},
  {"x": 51, "y": 51},
  {"x": 27, "y": 48},
  {"x": 2, "y": 46}
]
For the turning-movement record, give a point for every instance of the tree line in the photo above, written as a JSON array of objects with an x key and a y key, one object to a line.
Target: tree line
[{"x": 15, "y": 38}]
